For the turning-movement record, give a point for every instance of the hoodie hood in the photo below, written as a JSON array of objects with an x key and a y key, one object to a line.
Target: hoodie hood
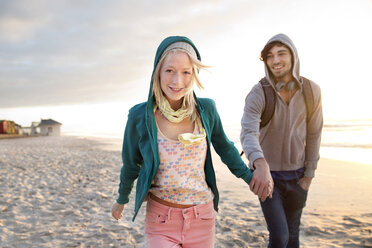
[
  {"x": 162, "y": 47},
  {"x": 282, "y": 38}
]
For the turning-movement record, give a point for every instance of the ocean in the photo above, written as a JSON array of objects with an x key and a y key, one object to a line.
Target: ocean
[{"x": 346, "y": 140}]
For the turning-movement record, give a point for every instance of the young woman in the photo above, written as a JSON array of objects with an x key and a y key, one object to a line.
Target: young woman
[{"x": 166, "y": 148}]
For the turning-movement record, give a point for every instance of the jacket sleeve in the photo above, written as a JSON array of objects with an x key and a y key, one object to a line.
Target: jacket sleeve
[
  {"x": 250, "y": 123},
  {"x": 226, "y": 149},
  {"x": 131, "y": 158},
  {"x": 314, "y": 132}
]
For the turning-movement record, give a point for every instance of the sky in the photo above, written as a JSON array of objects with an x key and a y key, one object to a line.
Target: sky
[{"x": 85, "y": 63}]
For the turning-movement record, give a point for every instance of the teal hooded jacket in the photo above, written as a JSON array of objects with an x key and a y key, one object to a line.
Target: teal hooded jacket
[{"x": 140, "y": 153}]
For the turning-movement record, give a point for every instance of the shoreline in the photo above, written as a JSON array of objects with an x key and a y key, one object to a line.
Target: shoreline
[
  {"x": 339, "y": 153},
  {"x": 347, "y": 154}
]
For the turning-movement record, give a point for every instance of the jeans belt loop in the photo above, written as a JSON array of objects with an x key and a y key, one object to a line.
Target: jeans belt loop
[
  {"x": 169, "y": 213},
  {"x": 196, "y": 212}
]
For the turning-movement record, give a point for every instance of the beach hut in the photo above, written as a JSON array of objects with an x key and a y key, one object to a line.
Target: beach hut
[
  {"x": 49, "y": 127},
  {"x": 12, "y": 127},
  {"x": 18, "y": 129},
  {"x": 4, "y": 127},
  {"x": 8, "y": 127}
]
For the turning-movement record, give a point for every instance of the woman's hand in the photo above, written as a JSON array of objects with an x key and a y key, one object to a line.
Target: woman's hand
[{"x": 117, "y": 210}]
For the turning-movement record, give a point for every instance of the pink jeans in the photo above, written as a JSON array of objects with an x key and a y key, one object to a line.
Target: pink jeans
[{"x": 179, "y": 227}]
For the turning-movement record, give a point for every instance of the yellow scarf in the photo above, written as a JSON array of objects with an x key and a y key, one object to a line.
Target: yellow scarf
[
  {"x": 170, "y": 114},
  {"x": 190, "y": 138},
  {"x": 177, "y": 117}
]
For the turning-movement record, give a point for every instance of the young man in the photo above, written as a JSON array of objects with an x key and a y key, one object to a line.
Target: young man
[{"x": 287, "y": 147}]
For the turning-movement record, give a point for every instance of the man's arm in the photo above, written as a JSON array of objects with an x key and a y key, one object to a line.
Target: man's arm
[
  {"x": 313, "y": 135},
  {"x": 262, "y": 183}
]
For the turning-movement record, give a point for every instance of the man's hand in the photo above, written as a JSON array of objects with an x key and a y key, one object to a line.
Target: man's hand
[
  {"x": 262, "y": 183},
  {"x": 305, "y": 183}
]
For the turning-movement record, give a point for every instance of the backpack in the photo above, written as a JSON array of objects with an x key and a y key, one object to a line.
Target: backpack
[{"x": 270, "y": 101}]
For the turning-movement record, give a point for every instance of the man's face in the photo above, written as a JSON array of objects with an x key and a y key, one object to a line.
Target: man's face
[{"x": 279, "y": 62}]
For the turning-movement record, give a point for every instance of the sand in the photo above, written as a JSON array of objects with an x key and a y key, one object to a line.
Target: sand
[{"x": 58, "y": 192}]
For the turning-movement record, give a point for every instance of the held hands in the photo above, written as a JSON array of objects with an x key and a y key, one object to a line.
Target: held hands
[
  {"x": 117, "y": 210},
  {"x": 262, "y": 183}
]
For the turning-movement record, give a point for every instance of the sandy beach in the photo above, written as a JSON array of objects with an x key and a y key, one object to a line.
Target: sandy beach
[{"x": 58, "y": 192}]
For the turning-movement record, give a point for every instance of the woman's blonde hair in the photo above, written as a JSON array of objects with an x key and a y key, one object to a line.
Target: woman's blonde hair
[{"x": 188, "y": 100}]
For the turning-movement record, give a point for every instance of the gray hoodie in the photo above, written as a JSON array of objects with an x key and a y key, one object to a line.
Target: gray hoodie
[{"x": 284, "y": 141}]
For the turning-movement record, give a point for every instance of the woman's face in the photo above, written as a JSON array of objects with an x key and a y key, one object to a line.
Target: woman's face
[{"x": 176, "y": 77}]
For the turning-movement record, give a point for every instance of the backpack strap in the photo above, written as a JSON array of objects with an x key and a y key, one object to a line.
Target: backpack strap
[
  {"x": 309, "y": 98},
  {"x": 270, "y": 101}
]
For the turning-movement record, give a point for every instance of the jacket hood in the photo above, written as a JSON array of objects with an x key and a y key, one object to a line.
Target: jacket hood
[
  {"x": 163, "y": 46},
  {"x": 296, "y": 61}
]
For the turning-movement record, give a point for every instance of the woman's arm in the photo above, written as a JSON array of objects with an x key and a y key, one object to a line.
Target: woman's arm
[
  {"x": 225, "y": 148},
  {"x": 131, "y": 158}
]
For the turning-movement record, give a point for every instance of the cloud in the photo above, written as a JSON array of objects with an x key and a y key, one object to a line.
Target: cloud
[{"x": 63, "y": 52}]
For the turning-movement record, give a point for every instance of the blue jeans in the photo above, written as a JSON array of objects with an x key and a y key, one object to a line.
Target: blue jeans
[{"x": 283, "y": 213}]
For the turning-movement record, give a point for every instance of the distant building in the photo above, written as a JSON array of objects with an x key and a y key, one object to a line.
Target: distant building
[
  {"x": 9, "y": 127},
  {"x": 4, "y": 127},
  {"x": 18, "y": 129},
  {"x": 26, "y": 131},
  {"x": 49, "y": 127},
  {"x": 34, "y": 128}
]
